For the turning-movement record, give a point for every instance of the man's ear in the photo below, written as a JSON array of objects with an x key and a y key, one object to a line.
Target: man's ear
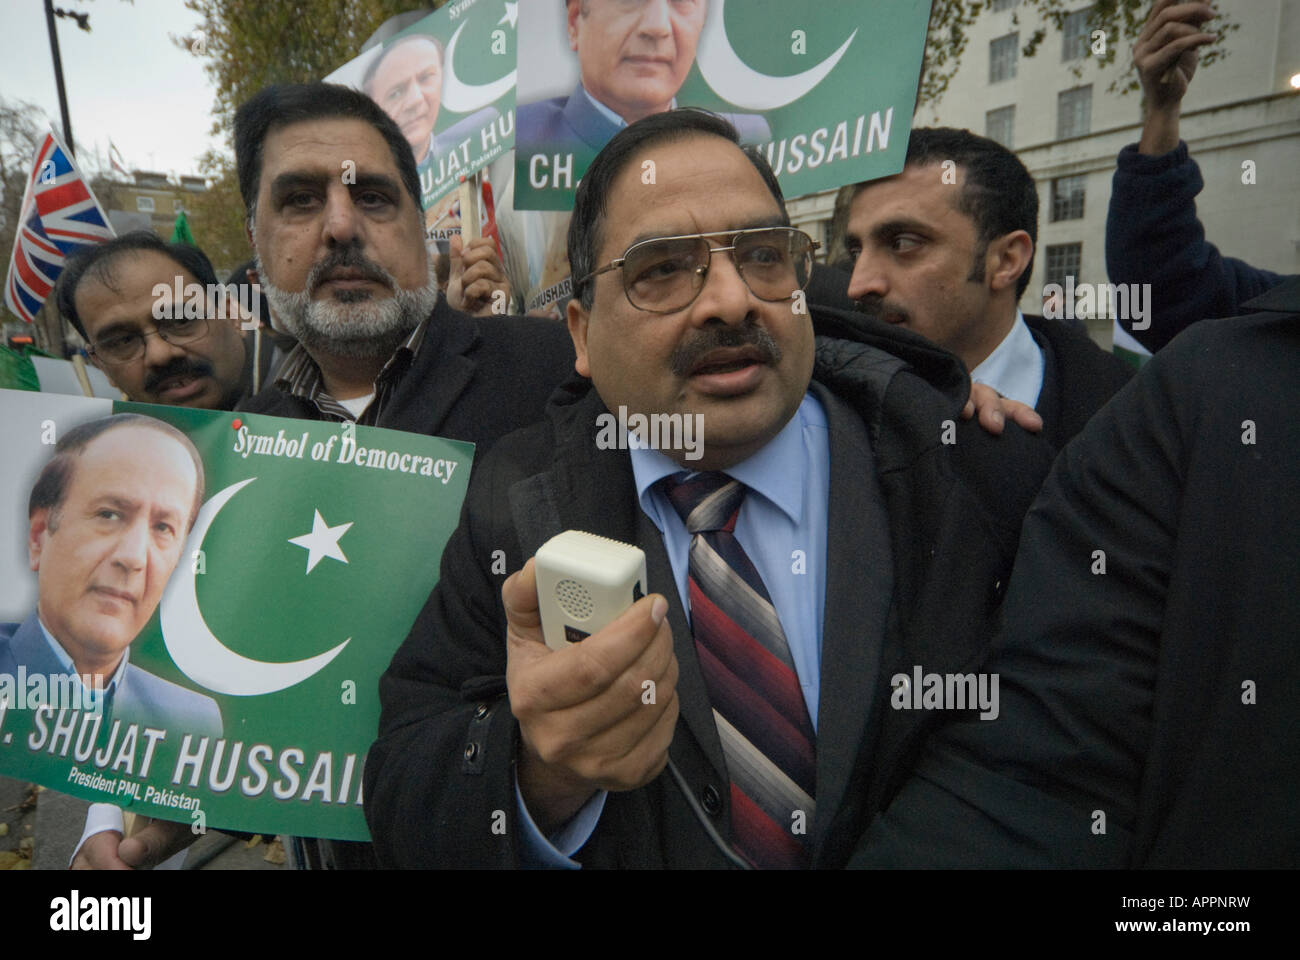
[
  {"x": 38, "y": 530},
  {"x": 1007, "y": 258},
  {"x": 578, "y": 319},
  {"x": 573, "y": 11}
]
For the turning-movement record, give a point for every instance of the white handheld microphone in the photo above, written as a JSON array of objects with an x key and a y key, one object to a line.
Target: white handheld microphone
[{"x": 583, "y": 583}]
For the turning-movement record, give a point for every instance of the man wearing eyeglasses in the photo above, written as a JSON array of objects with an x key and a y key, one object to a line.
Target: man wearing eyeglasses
[
  {"x": 121, "y": 297},
  {"x": 838, "y": 525}
]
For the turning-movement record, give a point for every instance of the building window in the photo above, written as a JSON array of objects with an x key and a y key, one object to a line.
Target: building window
[
  {"x": 999, "y": 5},
  {"x": 144, "y": 204},
  {"x": 1075, "y": 34},
  {"x": 1067, "y": 198},
  {"x": 1074, "y": 112},
  {"x": 1063, "y": 261},
  {"x": 1002, "y": 57},
  {"x": 1000, "y": 125}
]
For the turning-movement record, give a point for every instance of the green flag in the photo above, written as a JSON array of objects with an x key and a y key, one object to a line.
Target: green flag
[
  {"x": 825, "y": 90},
  {"x": 181, "y": 230},
  {"x": 251, "y": 692},
  {"x": 16, "y": 370}
]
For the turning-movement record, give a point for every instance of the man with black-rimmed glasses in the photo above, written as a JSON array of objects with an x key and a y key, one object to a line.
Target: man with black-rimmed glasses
[{"x": 154, "y": 346}]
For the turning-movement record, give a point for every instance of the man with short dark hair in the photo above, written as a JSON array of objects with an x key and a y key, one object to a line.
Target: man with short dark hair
[
  {"x": 814, "y": 533},
  {"x": 946, "y": 248},
  {"x": 154, "y": 344},
  {"x": 343, "y": 264}
]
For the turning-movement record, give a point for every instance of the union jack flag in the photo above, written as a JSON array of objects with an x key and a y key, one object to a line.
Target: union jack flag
[{"x": 59, "y": 216}]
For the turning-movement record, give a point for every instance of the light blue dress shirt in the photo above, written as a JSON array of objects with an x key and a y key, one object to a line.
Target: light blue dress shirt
[
  {"x": 1015, "y": 367},
  {"x": 783, "y": 527}
]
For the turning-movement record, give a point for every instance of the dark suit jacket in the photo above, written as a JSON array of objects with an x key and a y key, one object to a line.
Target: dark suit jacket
[
  {"x": 140, "y": 696},
  {"x": 574, "y": 120},
  {"x": 1161, "y": 693},
  {"x": 474, "y": 379},
  {"x": 951, "y": 515},
  {"x": 1078, "y": 378}
]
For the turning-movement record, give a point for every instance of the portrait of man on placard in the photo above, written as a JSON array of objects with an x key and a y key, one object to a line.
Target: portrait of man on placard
[
  {"x": 406, "y": 80},
  {"x": 633, "y": 57},
  {"x": 108, "y": 518}
]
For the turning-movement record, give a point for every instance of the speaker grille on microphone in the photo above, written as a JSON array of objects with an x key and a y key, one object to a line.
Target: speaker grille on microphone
[{"x": 574, "y": 599}]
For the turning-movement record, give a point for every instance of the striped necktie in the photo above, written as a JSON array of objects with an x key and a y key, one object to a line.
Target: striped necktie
[{"x": 767, "y": 738}]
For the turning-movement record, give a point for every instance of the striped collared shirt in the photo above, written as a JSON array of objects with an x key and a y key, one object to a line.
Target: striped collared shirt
[{"x": 300, "y": 376}]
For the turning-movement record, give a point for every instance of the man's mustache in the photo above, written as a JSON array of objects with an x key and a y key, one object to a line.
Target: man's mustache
[
  {"x": 349, "y": 258},
  {"x": 686, "y": 356},
  {"x": 183, "y": 366},
  {"x": 874, "y": 306}
]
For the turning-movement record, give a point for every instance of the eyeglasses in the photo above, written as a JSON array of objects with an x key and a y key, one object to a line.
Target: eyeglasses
[
  {"x": 128, "y": 345},
  {"x": 666, "y": 274}
]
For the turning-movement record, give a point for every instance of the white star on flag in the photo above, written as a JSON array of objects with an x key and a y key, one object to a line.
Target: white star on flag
[
  {"x": 511, "y": 14},
  {"x": 322, "y": 542}
]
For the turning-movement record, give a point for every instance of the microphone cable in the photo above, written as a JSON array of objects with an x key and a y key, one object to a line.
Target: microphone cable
[{"x": 718, "y": 841}]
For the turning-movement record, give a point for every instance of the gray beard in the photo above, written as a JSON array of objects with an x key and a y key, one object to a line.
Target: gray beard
[{"x": 355, "y": 325}]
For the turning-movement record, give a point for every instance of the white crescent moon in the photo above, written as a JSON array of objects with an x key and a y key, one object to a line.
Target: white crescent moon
[
  {"x": 459, "y": 97},
  {"x": 736, "y": 82},
  {"x": 195, "y": 649}
]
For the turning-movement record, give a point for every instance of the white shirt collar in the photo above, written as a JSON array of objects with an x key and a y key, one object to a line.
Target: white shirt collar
[{"x": 1015, "y": 368}]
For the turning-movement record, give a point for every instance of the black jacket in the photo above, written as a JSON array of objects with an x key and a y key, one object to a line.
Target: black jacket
[
  {"x": 1153, "y": 236},
  {"x": 473, "y": 379},
  {"x": 444, "y": 760},
  {"x": 1149, "y": 668}
]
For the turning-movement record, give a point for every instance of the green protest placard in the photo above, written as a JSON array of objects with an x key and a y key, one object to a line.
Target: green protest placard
[
  {"x": 825, "y": 90},
  {"x": 448, "y": 81},
  {"x": 221, "y": 670}
]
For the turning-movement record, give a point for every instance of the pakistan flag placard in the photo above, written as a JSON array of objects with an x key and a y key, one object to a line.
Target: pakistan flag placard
[
  {"x": 448, "y": 82},
  {"x": 825, "y": 90},
  {"x": 196, "y": 606}
]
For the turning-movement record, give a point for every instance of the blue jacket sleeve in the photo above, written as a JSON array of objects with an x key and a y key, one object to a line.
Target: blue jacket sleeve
[{"x": 1153, "y": 236}]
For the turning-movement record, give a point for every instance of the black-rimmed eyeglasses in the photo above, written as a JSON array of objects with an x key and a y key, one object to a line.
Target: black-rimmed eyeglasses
[{"x": 666, "y": 274}]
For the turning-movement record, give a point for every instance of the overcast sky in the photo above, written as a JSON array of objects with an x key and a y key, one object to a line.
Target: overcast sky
[{"x": 125, "y": 79}]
